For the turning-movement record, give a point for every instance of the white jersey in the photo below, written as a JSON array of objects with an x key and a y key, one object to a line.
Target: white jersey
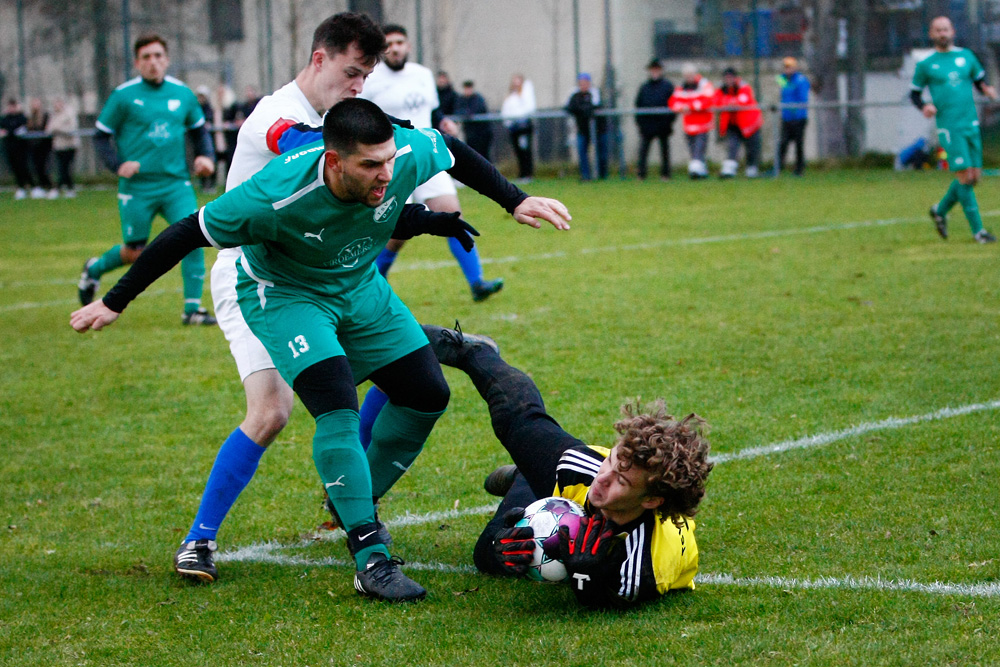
[
  {"x": 252, "y": 152},
  {"x": 251, "y": 155},
  {"x": 410, "y": 93}
]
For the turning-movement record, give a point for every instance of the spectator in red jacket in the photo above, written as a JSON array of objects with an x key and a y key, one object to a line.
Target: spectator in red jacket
[
  {"x": 740, "y": 120},
  {"x": 693, "y": 100}
]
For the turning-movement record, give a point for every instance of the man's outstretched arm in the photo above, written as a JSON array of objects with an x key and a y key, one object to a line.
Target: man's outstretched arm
[{"x": 479, "y": 174}]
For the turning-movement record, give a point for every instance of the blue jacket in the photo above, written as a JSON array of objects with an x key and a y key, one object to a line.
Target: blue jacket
[{"x": 794, "y": 90}]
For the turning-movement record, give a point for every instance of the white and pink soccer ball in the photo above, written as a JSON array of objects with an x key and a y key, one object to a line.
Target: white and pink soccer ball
[{"x": 546, "y": 516}]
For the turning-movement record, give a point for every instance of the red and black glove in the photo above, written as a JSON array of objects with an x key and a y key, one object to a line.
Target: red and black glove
[
  {"x": 588, "y": 553},
  {"x": 514, "y": 546}
]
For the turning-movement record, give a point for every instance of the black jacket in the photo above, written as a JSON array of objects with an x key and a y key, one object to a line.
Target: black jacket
[
  {"x": 654, "y": 93},
  {"x": 581, "y": 106}
]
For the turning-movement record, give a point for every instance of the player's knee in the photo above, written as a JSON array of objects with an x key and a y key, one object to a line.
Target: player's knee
[
  {"x": 265, "y": 421},
  {"x": 131, "y": 251},
  {"x": 435, "y": 395}
]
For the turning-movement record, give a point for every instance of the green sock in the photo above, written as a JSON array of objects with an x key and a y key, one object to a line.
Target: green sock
[
  {"x": 967, "y": 197},
  {"x": 949, "y": 199},
  {"x": 343, "y": 468},
  {"x": 109, "y": 261},
  {"x": 193, "y": 272},
  {"x": 398, "y": 435}
]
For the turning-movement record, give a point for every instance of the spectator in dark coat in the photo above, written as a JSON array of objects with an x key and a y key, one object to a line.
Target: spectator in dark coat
[
  {"x": 12, "y": 129},
  {"x": 478, "y": 134},
  {"x": 582, "y": 105},
  {"x": 655, "y": 92}
]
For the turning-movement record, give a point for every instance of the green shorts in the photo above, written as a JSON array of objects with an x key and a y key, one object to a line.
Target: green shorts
[
  {"x": 964, "y": 147},
  {"x": 368, "y": 324},
  {"x": 139, "y": 200}
]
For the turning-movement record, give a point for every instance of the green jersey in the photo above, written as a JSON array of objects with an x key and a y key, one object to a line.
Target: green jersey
[
  {"x": 295, "y": 232},
  {"x": 149, "y": 124},
  {"x": 950, "y": 77}
]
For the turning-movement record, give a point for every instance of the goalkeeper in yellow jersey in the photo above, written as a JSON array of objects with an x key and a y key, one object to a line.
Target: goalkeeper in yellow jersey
[{"x": 640, "y": 495}]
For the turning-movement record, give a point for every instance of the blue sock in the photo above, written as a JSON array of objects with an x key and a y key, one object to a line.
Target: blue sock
[
  {"x": 374, "y": 401},
  {"x": 469, "y": 261},
  {"x": 234, "y": 467},
  {"x": 384, "y": 261}
]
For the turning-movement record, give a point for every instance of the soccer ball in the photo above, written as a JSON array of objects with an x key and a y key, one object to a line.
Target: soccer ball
[{"x": 545, "y": 517}]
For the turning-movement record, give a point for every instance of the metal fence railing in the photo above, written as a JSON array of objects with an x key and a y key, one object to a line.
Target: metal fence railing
[{"x": 882, "y": 129}]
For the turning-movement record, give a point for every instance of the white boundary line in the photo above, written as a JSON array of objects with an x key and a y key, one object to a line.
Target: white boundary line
[
  {"x": 561, "y": 254},
  {"x": 266, "y": 552},
  {"x": 667, "y": 243},
  {"x": 30, "y": 305},
  {"x": 854, "y": 583},
  {"x": 822, "y": 439}
]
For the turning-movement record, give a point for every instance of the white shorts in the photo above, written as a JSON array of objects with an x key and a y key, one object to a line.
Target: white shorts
[
  {"x": 250, "y": 354},
  {"x": 439, "y": 186}
]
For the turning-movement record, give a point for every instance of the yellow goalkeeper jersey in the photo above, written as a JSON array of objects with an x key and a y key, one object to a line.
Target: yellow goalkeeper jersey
[{"x": 653, "y": 555}]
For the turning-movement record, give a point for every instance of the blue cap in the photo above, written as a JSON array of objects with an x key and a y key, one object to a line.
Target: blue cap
[{"x": 583, "y": 76}]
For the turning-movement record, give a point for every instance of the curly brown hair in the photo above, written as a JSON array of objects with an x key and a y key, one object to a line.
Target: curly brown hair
[{"x": 673, "y": 453}]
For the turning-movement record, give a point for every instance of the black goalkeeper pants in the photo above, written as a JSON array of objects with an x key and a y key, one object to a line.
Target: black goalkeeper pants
[{"x": 534, "y": 440}]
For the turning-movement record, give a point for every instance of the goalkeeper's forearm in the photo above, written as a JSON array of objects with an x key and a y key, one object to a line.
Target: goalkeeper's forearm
[{"x": 167, "y": 249}]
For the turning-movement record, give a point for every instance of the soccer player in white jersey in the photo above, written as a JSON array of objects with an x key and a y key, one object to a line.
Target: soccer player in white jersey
[
  {"x": 345, "y": 48},
  {"x": 408, "y": 90}
]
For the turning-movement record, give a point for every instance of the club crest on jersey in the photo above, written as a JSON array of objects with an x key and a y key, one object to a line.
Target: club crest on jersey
[
  {"x": 173, "y": 105},
  {"x": 959, "y": 61},
  {"x": 384, "y": 211},
  {"x": 159, "y": 132},
  {"x": 414, "y": 101},
  {"x": 351, "y": 254}
]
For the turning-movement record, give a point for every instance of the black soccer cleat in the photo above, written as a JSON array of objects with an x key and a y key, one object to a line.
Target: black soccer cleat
[
  {"x": 382, "y": 580},
  {"x": 199, "y": 317},
  {"x": 498, "y": 482},
  {"x": 940, "y": 222},
  {"x": 87, "y": 287},
  {"x": 450, "y": 344},
  {"x": 484, "y": 289},
  {"x": 194, "y": 561},
  {"x": 383, "y": 536},
  {"x": 983, "y": 236}
]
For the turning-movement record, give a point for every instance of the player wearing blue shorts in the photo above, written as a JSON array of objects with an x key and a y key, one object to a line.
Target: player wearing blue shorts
[
  {"x": 149, "y": 117},
  {"x": 951, "y": 73},
  {"x": 640, "y": 495},
  {"x": 311, "y": 224}
]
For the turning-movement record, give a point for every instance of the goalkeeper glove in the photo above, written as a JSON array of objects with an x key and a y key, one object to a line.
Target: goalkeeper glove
[
  {"x": 514, "y": 545},
  {"x": 588, "y": 552}
]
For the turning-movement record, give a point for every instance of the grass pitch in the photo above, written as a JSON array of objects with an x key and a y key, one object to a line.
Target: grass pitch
[{"x": 779, "y": 310}]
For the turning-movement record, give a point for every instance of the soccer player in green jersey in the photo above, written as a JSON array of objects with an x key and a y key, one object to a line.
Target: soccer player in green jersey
[
  {"x": 950, "y": 73},
  {"x": 148, "y": 117},
  {"x": 311, "y": 224}
]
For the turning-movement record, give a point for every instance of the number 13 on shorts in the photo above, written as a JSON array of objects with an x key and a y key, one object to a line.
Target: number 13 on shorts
[{"x": 298, "y": 346}]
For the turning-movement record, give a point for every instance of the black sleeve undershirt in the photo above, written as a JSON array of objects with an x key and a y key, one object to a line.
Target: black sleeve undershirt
[
  {"x": 166, "y": 250},
  {"x": 917, "y": 97},
  {"x": 202, "y": 142},
  {"x": 479, "y": 174},
  {"x": 106, "y": 151}
]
